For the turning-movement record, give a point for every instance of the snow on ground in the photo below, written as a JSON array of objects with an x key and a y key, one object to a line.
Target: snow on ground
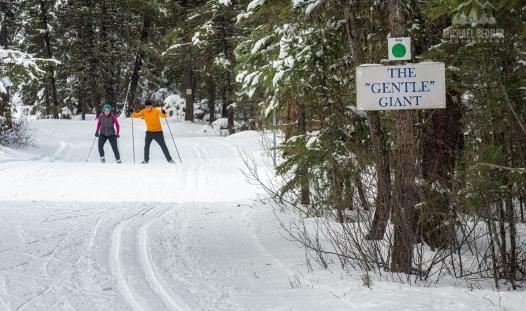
[{"x": 79, "y": 235}]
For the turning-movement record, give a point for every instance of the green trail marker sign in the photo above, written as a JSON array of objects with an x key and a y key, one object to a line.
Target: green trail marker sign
[{"x": 399, "y": 48}]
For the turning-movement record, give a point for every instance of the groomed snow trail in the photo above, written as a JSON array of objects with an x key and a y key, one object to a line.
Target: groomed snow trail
[
  {"x": 79, "y": 235},
  {"x": 88, "y": 236}
]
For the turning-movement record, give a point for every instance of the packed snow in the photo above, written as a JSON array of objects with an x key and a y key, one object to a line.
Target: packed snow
[{"x": 80, "y": 235}]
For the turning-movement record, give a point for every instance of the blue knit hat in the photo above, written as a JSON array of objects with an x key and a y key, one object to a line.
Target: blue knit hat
[{"x": 107, "y": 107}]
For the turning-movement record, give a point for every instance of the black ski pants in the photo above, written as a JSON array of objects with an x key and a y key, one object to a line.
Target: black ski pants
[
  {"x": 159, "y": 138},
  {"x": 113, "y": 143}
]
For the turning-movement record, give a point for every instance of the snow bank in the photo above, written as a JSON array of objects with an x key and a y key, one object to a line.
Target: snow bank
[
  {"x": 3, "y": 89},
  {"x": 220, "y": 124},
  {"x": 174, "y": 105},
  {"x": 89, "y": 117}
]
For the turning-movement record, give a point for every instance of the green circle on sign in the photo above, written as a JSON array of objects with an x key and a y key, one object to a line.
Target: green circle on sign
[{"x": 399, "y": 50}]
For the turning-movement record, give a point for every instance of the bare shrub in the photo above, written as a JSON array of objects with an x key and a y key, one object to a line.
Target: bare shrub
[
  {"x": 474, "y": 253},
  {"x": 18, "y": 136}
]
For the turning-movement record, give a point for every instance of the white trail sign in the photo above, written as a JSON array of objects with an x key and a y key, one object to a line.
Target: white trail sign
[{"x": 409, "y": 86}]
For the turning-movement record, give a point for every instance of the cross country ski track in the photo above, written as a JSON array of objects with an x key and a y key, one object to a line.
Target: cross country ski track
[{"x": 82, "y": 235}]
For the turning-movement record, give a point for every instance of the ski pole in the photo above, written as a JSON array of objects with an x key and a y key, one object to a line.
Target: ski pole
[
  {"x": 133, "y": 140},
  {"x": 170, "y": 129},
  {"x": 91, "y": 149}
]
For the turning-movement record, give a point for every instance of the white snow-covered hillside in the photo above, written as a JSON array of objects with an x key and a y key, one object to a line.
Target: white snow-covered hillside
[{"x": 79, "y": 235}]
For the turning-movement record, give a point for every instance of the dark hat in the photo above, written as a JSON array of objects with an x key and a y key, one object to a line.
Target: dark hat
[{"x": 149, "y": 103}]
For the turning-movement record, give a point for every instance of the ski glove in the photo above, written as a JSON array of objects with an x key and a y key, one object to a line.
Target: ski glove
[
  {"x": 163, "y": 111},
  {"x": 118, "y": 136},
  {"x": 96, "y": 134}
]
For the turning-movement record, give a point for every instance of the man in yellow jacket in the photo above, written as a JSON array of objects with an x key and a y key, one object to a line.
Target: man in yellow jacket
[{"x": 154, "y": 130}]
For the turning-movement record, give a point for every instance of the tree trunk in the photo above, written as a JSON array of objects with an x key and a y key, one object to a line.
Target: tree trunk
[
  {"x": 4, "y": 36},
  {"x": 383, "y": 175},
  {"x": 134, "y": 82},
  {"x": 502, "y": 233},
  {"x": 51, "y": 88},
  {"x": 5, "y": 110},
  {"x": 82, "y": 98},
  {"x": 493, "y": 237},
  {"x": 92, "y": 61},
  {"x": 348, "y": 196},
  {"x": 117, "y": 75},
  {"x": 378, "y": 137},
  {"x": 337, "y": 192},
  {"x": 442, "y": 145},
  {"x": 5, "y": 107},
  {"x": 109, "y": 80},
  {"x": 510, "y": 218},
  {"x": 228, "y": 112},
  {"x": 405, "y": 195},
  {"x": 521, "y": 203},
  {"x": 189, "y": 85},
  {"x": 211, "y": 85},
  {"x": 361, "y": 194},
  {"x": 226, "y": 101},
  {"x": 302, "y": 171}
]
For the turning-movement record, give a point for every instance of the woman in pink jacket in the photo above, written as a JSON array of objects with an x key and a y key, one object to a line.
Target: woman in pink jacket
[{"x": 108, "y": 128}]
